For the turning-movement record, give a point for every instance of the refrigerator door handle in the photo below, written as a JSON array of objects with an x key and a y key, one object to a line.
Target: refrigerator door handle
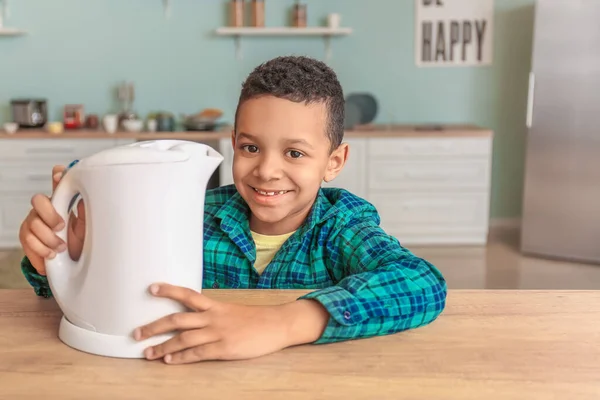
[{"x": 530, "y": 93}]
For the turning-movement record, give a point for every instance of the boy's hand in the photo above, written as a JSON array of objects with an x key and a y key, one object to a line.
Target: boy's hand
[
  {"x": 38, "y": 231},
  {"x": 223, "y": 331}
]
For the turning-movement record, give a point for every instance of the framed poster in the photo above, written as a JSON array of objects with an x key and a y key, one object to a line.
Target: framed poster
[{"x": 453, "y": 32}]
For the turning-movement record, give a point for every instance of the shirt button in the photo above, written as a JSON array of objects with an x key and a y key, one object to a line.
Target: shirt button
[
  {"x": 347, "y": 315},
  {"x": 216, "y": 285}
]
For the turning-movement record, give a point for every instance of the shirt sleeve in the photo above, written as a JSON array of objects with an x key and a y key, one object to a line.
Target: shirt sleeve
[
  {"x": 38, "y": 282},
  {"x": 382, "y": 287}
]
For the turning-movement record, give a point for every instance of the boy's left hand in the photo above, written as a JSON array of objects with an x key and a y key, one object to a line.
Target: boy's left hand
[{"x": 221, "y": 331}]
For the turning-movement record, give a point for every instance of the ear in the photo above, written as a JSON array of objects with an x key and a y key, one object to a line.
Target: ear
[
  {"x": 233, "y": 138},
  {"x": 337, "y": 160}
]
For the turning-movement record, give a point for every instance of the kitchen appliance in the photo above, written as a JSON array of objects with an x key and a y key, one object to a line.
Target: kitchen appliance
[
  {"x": 73, "y": 116},
  {"x": 29, "y": 113},
  {"x": 144, "y": 213},
  {"x": 126, "y": 95},
  {"x": 206, "y": 120},
  {"x": 561, "y": 201}
]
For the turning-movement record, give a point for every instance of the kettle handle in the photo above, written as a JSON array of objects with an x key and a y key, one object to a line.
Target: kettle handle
[{"x": 62, "y": 267}]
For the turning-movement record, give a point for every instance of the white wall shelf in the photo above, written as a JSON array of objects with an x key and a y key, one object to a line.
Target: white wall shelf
[
  {"x": 325, "y": 32},
  {"x": 283, "y": 31},
  {"x": 11, "y": 32}
]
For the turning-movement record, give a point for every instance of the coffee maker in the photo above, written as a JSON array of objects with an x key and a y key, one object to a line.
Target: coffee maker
[{"x": 29, "y": 113}]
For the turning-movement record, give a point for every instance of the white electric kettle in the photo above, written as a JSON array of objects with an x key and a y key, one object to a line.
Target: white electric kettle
[{"x": 144, "y": 206}]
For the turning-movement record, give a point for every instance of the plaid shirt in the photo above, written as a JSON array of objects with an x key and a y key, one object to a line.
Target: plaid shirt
[{"x": 367, "y": 281}]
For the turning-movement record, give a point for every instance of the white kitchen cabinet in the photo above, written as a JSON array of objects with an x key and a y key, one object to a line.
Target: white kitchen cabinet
[
  {"x": 26, "y": 169},
  {"x": 429, "y": 190},
  {"x": 425, "y": 218},
  {"x": 353, "y": 176},
  {"x": 14, "y": 207}
]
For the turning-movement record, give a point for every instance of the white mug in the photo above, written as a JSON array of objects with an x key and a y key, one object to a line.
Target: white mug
[
  {"x": 334, "y": 20},
  {"x": 110, "y": 123},
  {"x": 11, "y": 127},
  {"x": 152, "y": 125}
]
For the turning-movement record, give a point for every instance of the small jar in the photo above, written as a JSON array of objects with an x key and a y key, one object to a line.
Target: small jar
[
  {"x": 299, "y": 15},
  {"x": 258, "y": 13},
  {"x": 92, "y": 122},
  {"x": 236, "y": 10}
]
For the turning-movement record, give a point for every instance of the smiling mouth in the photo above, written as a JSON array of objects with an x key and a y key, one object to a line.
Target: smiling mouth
[{"x": 270, "y": 193}]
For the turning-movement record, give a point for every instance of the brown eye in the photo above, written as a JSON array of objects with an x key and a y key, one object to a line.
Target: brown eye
[
  {"x": 295, "y": 154},
  {"x": 250, "y": 148}
]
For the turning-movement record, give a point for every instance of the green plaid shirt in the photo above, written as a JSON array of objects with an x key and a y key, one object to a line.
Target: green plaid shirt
[{"x": 367, "y": 281}]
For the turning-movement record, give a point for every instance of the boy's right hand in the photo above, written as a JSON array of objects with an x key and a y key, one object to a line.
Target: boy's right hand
[{"x": 38, "y": 230}]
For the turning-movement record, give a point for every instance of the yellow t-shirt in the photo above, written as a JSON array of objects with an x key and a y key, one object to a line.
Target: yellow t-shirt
[{"x": 266, "y": 248}]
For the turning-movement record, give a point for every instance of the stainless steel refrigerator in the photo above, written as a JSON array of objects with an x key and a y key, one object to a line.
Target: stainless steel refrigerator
[{"x": 561, "y": 206}]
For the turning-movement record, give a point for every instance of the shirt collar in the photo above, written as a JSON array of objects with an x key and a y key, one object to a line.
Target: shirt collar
[{"x": 234, "y": 215}]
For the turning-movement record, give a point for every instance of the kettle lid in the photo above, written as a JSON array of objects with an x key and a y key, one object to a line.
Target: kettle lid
[{"x": 147, "y": 152}]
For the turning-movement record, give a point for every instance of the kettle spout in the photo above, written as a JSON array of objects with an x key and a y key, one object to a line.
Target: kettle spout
[
  {"x": 205, "y": 156},
  {"x": 212, "y": 161}
]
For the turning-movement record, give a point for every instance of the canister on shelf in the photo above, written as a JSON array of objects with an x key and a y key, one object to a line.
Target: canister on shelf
[
  {"x": 258, "y": 13},
  {"x": 299, "y": 15},
  {"x": 236, "y": 9}
]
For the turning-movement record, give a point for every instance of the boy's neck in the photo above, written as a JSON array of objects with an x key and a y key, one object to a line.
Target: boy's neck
[
  {"x": 290, "y": 224},
  {"x": 274, "y": 229}
]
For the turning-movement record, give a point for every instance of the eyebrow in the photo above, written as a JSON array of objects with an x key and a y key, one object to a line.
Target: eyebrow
[
  {"x": 247, "y": 136},
  {"x": 290, "y": 141}
]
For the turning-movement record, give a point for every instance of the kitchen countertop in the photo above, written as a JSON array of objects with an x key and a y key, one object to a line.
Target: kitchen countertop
[
  {"x": 364, "y": 131},
  {"x": 485, "y": 345}
]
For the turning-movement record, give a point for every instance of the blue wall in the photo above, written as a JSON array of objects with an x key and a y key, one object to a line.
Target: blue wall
[{"x": 77, "y": 51}]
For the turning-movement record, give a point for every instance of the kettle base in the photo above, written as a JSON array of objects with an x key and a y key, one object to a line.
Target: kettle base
[{"x": 105, "y": 345}]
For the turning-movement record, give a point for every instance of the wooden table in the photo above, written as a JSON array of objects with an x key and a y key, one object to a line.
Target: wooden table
[{"x": 486, "y": 345}]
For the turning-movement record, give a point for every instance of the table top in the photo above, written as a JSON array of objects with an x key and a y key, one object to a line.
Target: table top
[{"x": 485, "y": 345}]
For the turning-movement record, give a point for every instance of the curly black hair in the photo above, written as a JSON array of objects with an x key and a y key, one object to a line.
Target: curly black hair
[{"x": 299, "y": 79}]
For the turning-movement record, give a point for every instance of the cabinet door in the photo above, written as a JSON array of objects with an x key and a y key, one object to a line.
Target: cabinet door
[
  {"x": 429, "y": 174},
  {"x": 57, "y": 151},
  {"x": 13, "y": 210},
  {"x": 353, "y": 176},
  {"x": 434, "y": 218}
]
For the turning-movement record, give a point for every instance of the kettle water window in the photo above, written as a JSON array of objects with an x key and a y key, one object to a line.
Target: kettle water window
[
  {"x": 75, "y": 198},
  {"x": 73, "y": 203}
]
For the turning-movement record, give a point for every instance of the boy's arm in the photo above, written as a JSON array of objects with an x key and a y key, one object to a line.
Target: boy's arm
[
  {"x": 38, "y": 282},
  {"x": 383, "y": 288}
]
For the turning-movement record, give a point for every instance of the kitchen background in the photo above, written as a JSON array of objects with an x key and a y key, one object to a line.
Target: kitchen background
[
  {"x": 433, "y": 189},
  {"x": 79, "y": 51}
]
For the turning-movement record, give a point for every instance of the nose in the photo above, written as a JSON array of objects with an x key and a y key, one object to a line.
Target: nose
[{"x": 269, "y": 167}]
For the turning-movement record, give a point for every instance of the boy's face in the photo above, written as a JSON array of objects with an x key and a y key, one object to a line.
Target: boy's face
[{"x": 281, "y": 156}]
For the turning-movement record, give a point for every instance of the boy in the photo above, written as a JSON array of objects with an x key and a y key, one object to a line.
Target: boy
[{"x": 277, "y": 228}]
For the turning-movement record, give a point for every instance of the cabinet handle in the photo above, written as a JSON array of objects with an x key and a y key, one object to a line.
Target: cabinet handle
[
  {"x": 38, "y": 177},
  {"x": 530, "y": 93},
  {"x": 45, "y": 150},
  {"x": 430, "y": 176},
  {"x": 436, "y": 147}
]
